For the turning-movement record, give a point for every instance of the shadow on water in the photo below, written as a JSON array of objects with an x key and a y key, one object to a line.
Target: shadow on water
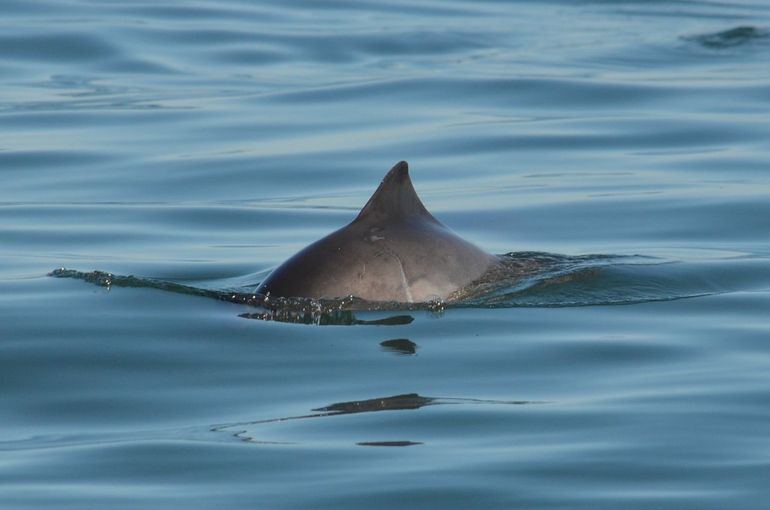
[
  {"x": 404, "y": 402},
  {"x": 523, "y": 279}
]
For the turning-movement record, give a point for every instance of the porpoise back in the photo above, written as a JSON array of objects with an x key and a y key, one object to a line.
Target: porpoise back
[{"x": 394, "y": 250}]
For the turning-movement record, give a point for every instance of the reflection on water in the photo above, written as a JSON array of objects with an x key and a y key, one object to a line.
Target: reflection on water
[
  {"x": 405, "y": 402},
  {"x": 397, "y": 402},
  {"x": 730, "y": 38},
  {"x": 400, "y": 346},
  {"x": 389, "y": 443}
]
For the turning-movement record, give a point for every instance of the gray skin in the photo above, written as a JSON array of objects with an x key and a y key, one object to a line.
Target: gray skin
[{"x": 394, "y": 250}]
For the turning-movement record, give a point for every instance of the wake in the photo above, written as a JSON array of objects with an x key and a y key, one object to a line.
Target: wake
[{"x": 522, "y": 279}]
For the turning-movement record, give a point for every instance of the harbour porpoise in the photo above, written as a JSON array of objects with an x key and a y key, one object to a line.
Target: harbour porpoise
[{"x": 394, "y": 250}]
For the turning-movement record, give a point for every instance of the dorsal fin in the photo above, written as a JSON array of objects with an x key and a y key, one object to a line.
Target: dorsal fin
[{"x": 396, "y": 198}]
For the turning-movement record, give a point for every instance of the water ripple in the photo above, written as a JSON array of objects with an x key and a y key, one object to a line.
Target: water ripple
[
  {"x": 731, "y": 38},
  {"x": 61, "y": 47},
  {"x": 524, "y": 279}
]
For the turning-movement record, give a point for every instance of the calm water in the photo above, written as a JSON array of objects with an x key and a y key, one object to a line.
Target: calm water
[{"x": 203, "y": 142}]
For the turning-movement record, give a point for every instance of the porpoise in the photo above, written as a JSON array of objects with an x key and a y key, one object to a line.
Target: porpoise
[{"x": 394, "y": 250}]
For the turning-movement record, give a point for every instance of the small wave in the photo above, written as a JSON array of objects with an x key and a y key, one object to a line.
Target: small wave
[
  {"x": 523, "y": 279},
  {"x": 591, "y": 280},
  {"x": 737, "y": 36}
]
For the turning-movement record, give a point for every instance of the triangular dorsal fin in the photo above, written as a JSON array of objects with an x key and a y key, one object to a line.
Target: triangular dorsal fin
[{"x": 396, "y": 198}]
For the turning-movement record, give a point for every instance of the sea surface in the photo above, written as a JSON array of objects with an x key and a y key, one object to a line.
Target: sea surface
[{"x": 186, "y": 147}]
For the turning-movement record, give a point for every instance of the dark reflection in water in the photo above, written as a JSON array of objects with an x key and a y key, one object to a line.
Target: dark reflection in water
[
  {"x": 729, "y": 38},
  {"x": 404, "y": 402},
  {"x": 389, "y": 443},
  {"x": 397, "y": 402},
  {"x": 400, "y": 346}
]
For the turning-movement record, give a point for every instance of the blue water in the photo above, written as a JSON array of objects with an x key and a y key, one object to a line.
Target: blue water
[{"x": 198, "y": 144}]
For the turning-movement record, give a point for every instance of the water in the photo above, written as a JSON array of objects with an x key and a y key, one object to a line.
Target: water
[{"x": 199, "y": 144}]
